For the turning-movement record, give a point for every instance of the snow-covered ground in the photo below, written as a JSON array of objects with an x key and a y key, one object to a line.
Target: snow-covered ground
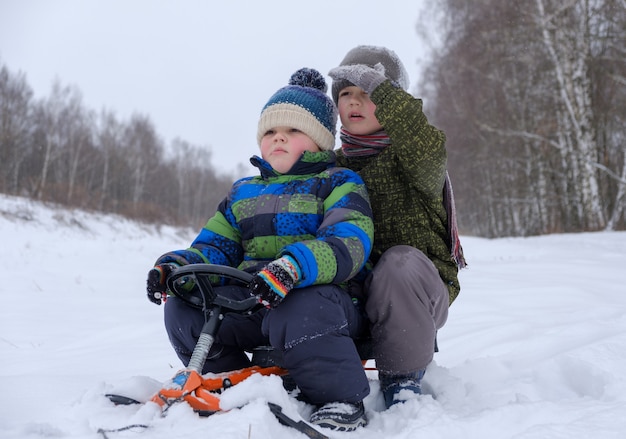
[{"x": 535, "y": 345}]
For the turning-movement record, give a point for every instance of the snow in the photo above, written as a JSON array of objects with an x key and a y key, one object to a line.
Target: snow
[{"x": 534, "y": 346}]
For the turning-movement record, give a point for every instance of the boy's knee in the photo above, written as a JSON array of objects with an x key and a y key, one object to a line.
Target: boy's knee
[{"x": 400, "y": 257}]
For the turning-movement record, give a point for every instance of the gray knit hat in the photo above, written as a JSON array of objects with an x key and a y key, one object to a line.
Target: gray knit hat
[
  {"x": 303, "y": 104},
  {"x": 370, "y": 56}
]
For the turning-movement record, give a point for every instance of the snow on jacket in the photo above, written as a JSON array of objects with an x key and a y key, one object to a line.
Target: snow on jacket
[
  {"x": 317, "y": 213},
  {"x": 405, "y": 182}
]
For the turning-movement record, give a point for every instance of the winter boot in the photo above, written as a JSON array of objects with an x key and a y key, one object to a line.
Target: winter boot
[
  {"x": 340, "y": 416},
  {"x": 400, "y": 388}
]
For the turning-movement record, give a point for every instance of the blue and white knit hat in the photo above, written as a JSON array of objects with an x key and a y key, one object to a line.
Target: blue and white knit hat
[{"x": 304, "y": 105}]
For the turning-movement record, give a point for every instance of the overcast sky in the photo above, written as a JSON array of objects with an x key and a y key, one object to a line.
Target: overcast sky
[{"x": 200, "y": 69}]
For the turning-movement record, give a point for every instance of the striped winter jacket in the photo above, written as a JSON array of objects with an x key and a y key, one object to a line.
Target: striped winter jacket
[
  {"x": 318, "y": 213},
  {"x": 405, "y": 182}
]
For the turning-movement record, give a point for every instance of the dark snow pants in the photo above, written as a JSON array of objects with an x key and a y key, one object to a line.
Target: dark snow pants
[
  {"x": 313, "y": 328},
  {"x": 237, "y": 332},
  {"x": 406, "y": 303}
]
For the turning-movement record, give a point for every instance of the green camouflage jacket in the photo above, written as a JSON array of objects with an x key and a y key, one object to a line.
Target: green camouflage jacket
[{"x": 405, "y": 182}]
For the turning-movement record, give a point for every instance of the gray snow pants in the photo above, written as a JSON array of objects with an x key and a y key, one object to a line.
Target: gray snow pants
[{"x": 406, "y": 303}]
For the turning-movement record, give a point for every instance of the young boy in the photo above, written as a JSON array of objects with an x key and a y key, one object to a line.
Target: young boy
[
  {"x": 304, "y": 227},
  {"x": 387, "y": 139}
]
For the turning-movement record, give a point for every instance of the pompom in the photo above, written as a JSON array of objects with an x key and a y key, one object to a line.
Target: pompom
[{"x": 306, "y": 77}]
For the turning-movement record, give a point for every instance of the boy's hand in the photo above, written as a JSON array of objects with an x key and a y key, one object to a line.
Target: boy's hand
[
  {"x": 156, "y": 283},
  {"x": 365, "y": 77},
  {"x": 274, "y": 282}
]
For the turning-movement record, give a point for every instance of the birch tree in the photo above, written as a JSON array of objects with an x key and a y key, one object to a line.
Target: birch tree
[
  {"x": 529, "y": 96},
  {"x": 566, "y": 36},
  {"x": 49, "y": 115},
  {"x": 77, "y": 138}
]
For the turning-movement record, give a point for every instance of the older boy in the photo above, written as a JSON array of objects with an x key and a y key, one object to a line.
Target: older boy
[{"x": 387, "y": 139}]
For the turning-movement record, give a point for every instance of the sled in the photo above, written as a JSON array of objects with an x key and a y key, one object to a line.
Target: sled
[{"x": 195, "y": 284}]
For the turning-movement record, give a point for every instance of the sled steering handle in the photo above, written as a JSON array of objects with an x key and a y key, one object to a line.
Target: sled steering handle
[
  {"x": 214, "y": 305},
  {"x": 202, "y": 273},
  {"x": 216, "y": 269}
]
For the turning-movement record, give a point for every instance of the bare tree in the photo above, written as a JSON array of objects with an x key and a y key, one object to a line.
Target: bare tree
[
  {"x": 48, "y": 120},
  {"x": 200, "y": 187},
  {"x": 77, "y": 125},
  {"x": 15, "y": 128},
  {"x": 516, "y": 89},
  {"x": 143, "y": 151},
  {"x": 566, "y": 35},
  {"x": 57, "y": 150},
  {"x": 108, "y": 141}
]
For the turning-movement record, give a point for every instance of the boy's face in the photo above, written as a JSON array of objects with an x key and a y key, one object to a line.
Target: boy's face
[
  {"x": 281, "y": 147},
  {"x": 356, "y": 111}
]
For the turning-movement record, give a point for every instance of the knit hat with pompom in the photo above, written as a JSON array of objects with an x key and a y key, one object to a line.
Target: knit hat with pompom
[{"x": 304, "y": 105}]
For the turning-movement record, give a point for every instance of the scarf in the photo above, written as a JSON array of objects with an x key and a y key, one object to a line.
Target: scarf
[{"x": 354, "y": 145}]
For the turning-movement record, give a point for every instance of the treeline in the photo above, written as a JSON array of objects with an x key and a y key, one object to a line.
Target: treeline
[
  {"x": 56, "y": 150},
  {"x": 532, "y": 97}
]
